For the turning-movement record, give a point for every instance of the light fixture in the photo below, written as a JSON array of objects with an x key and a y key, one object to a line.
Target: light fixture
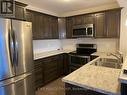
[{"x": 66, "y": 0}]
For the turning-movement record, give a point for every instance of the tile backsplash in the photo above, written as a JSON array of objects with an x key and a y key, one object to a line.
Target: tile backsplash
[
  {"x": 104, "y": 45},
  {"x": 46, "y": 45}
]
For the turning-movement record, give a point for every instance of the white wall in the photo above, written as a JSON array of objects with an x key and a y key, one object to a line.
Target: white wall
[{"x": 123, "y": 36}]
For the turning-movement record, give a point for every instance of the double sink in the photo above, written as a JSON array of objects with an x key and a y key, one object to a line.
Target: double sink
[{"x": 107, "y": 62}]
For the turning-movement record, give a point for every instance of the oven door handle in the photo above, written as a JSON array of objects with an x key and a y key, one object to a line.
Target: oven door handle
[{"x": 79, "y": 56}]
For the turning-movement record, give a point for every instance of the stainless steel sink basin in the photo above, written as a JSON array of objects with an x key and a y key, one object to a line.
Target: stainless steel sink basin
[{"x": 106, "y": 62}]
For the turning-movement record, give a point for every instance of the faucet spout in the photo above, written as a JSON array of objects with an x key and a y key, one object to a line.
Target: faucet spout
[{"x": 119, "y": 57}]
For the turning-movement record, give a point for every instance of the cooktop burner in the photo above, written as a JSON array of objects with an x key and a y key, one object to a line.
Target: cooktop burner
[
  {"x": 81, "y": 54},
  {"x": 85, "y": 49}
]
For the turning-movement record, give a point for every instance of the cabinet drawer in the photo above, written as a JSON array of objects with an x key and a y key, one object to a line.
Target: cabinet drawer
[
  {"x": 50, "y": 76},
  {"x": 50, "y": 71},
  {"x": 50, "y": 65}
]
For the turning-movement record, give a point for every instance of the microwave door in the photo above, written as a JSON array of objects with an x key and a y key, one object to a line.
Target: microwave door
[
  {"x": 7, "y": 69},
  {"x": 79, "y": 32}
]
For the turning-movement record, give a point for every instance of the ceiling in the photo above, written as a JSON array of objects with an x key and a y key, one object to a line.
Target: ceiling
[{"x": 63, "y": 6}]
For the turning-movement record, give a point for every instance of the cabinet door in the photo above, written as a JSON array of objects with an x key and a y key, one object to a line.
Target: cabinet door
[
  {"x": 54, "y": 27},
  {"x": 19, "y": 12},
  {"x": 100, "y": 25},
  {"x": 60, "y": 65},
  {"x": 28, "y": 16},
  {"x": 88, "y": 19},
  {"x": 44, "y": 26},
  {"x": 66, "y": 64},
  {"x": 47, "y": 27},
  {"x": 50, "y": 69},
  {"x": 38, "y": 71},
  {"x": 113, "y": 23},
  {"x": 36, "y": 26},
  {"x": 78, "y": 20},
  {"x": 69, "y": 26}
]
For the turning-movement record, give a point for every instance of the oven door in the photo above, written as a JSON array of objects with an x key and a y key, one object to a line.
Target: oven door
[{"x": 77, "y": 60}]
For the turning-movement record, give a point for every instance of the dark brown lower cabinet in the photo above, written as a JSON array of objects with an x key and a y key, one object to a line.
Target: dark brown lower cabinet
[
  {"x": 123, "y": 89},
  {"x": 60, "y": 66},
  {"x": 38, "y": 71},
  {"x": 48, "y": 69},
  {"x": 92, "y": 57},
  {"x": 75, "y": 90},
  {"x": 65, "y": 64}
]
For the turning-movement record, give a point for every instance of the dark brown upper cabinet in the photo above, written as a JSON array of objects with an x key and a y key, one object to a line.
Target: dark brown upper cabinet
[
  {"x": 113, "y": 23},
  {"x": 69, "y": 27},
  {"x": 47, "y": 28},
  {"x": 54, "y": 28},
  {"x": 20, "y": 10},
  {"x": 77, "y": 20},
  {"x": 88, "y": 19},
  {"x": 100, "y": 26},
  {"x": 44, "y": 26},
  {"x": 37, "y": 23}
]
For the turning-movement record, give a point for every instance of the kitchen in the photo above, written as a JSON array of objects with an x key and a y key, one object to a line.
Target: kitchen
[{"x": 77, "y": 49}]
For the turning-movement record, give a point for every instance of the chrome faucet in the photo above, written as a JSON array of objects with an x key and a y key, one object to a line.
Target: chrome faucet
[{"x": 119, "y": 57}]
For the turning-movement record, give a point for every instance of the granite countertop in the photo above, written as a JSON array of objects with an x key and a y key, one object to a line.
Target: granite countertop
[
  {"x": 104, "y": 55},
  {"x": 101, "y": 79},
  {"x": 40, "y": 55},
  {"x": 122, "y": 77}
]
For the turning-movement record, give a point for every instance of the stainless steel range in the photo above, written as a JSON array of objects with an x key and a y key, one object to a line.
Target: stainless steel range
[{"x": 81, "y": 56}]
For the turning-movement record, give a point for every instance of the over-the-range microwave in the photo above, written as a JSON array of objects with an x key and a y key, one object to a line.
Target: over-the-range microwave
[{"x": 86, "y": 30}]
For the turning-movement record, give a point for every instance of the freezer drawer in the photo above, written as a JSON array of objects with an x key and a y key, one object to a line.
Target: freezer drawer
[{"x": 22, "y": 86}]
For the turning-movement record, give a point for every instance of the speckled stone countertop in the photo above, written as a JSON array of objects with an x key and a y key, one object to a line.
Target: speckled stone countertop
[
  {"x": 96, "y": 78},
  {"x": 104, "y": 55},
  {"x": 122, "y": 77},
  {"x": 50, "y": 53}
]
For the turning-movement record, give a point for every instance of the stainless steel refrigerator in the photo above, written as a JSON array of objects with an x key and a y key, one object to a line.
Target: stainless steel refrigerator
[{"x": 16, "y": 58}]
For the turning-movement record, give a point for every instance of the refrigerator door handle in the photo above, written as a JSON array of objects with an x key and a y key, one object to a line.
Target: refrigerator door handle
[
  {"x": 16, "y": 48},
  {"x": 11, "y": 46},
  {"x": 15, "y": 45}
]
